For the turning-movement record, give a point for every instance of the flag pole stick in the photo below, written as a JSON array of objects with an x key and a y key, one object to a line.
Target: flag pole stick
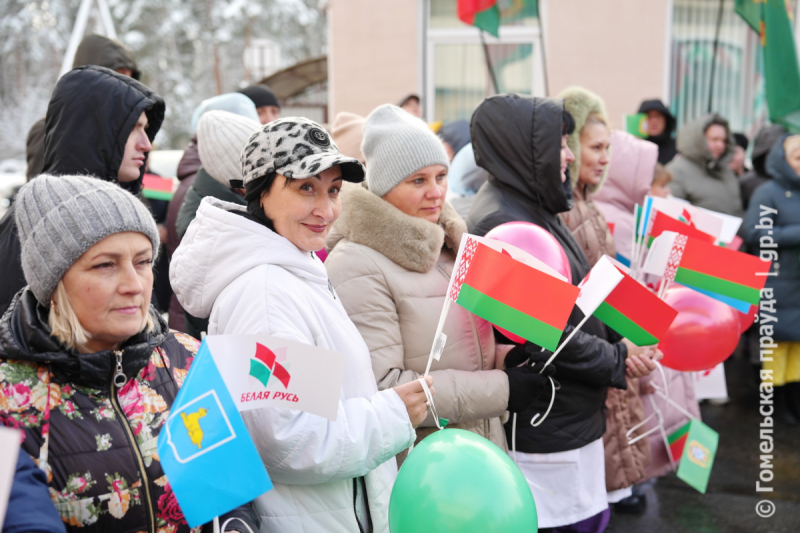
[
  {"x": 558, "y": 350},
  {"x": 437, "y": 340}
]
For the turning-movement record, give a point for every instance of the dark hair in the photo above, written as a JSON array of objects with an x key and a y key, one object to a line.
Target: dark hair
[
  {"x": 741, "y": 140},
  {"x": 567, "y": 123},
  {"x": 255, "y": 190},
  {"x": 717, "y": 120}
]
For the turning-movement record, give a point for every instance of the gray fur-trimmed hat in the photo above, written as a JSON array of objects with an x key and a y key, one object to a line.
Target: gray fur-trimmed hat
[
  {"x": 60, "y": 217},
  {"x": 397, "y": 144},
  {"x": 297, "y": 148}
]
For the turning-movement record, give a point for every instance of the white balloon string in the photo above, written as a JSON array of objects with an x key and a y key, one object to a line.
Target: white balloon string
[
  {"x": 431, "y": 405},
  {"x": 552, "y": 400}
]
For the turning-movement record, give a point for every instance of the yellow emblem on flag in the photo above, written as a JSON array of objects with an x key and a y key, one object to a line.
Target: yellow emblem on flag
[
  {"x": 192, "y": 423},
  {"x": 698, "y": 454}
]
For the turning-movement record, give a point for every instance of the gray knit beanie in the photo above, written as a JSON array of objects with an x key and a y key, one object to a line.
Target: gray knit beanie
[
  {"x": 60, "y": 217},
  {"x": 221, "y": 136},
  {"x": 397, "y": 144}
]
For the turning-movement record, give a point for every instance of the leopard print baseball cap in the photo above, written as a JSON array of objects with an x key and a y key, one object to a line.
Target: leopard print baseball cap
[{"x": 297, "y": 148}]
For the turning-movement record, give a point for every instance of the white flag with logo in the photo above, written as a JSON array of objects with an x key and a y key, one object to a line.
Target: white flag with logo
[{"x": 264, "y": 371}]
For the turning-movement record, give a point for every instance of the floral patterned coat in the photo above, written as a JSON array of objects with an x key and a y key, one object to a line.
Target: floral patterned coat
[{"x": 96, "y": 442}]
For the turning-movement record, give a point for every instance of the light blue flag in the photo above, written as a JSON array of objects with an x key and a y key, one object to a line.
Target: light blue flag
[
  {"x": 647, "y": 207},
  {"x": 206, "y": 452},
  {"x": 739, "y": 305}
]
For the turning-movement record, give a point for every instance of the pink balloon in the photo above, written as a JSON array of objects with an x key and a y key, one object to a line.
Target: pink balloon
[
  {"x": 536, "y": 241},
  {"x": 704, "y": 334},
  {"x": 540, "y": 244}
]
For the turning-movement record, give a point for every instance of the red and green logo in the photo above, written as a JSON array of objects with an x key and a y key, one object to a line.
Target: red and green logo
[{"x": 265, "y": 365}]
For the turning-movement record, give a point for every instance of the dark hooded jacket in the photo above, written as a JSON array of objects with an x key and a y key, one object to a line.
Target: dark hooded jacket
[
  {"x": 93, "y": 50},
  {"x": 91, "y": 114},
  {"x": 97, "y": 441},
  {"x": 665, "y": 140},
  {"x": 753, "y": 178},
  {"x": 781, "y": 194},
  {"x": 517, "y": 139}
]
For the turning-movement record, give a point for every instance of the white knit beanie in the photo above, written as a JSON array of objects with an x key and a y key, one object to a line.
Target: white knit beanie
[
  {"x": 221, "y": 135},
  {"x": 60, "y": 217},
  {"x": 397, "y": 144}
]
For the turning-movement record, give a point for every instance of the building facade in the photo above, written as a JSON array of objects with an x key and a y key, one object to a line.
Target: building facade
[{"x": 696, "y": 55}]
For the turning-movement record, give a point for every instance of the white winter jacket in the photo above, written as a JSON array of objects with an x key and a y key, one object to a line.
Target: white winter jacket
[{"x": 248, "y": 279}]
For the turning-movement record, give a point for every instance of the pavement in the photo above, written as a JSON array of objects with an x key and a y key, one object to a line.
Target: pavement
[{"x": 729, "y": 505}]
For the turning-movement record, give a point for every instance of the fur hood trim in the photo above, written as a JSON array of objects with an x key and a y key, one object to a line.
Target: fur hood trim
[
  {"x": 581, "y": 103},
  {"x": 413, "y": 243}
]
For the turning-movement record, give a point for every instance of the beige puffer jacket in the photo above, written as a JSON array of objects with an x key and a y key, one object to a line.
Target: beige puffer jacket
[{"x": 391, "y": 271}]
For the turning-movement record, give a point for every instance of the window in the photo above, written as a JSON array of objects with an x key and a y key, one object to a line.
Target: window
[
  {"x": 737, "y": 91},
  {"x": 456, "y": 77}
]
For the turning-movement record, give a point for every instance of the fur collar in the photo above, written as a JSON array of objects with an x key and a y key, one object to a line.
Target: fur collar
[{"x": 411, "y": 242}]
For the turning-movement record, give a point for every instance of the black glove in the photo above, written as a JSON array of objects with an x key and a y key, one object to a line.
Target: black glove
[
  {"x": 516, "y": 356},
  {"x": 525, "y": 385}
]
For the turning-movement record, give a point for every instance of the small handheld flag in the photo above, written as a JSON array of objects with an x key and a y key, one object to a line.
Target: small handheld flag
[
  {"x": 693, "y": 446},
  {"x": 623, "y": 304},
  {"x": 719, "y": 272},
  {"x": 663, "y": 222},
  {"x": 636, "y": 125},
  {"x": 205, "y": 448},
  {"x": 513, "y": 290},
  {"x": 206, "y": 451},
  {"x": 157, "y": 187}
]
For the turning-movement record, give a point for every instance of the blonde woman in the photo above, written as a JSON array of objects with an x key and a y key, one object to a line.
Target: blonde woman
[{"x": 88, "y": 368}]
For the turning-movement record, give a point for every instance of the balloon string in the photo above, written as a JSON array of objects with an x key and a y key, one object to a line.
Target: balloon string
[
  {"x": 431, "y": 405},
  {"x": 552, "y": 400}
]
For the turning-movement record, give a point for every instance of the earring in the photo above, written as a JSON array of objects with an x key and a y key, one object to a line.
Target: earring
[{"x": 54, "y": 306}]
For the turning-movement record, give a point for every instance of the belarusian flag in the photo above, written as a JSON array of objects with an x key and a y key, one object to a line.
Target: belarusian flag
[
  {"x": 712, "y": 270},
  {"x": 623, "y": 304},
  {"x": 663, "y": 222},
  {"x": 483, "y": 14},
  {"x": 513, "y": 290},
  {"x": 704, "y": 220},
  {"x": 488, "y": 15},
  {"x": 157, "y": 187},
  {"x": 693, "y": 447}
]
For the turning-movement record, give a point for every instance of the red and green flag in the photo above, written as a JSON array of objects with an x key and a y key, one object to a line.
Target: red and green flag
[
  {"x": 624, "y": 304},
  {"x": 509, "y": 288},
  {"x": 716, "y": 271},
  {"x": 663, "y": 222},
  {"x": 693, "y": 447},
  {"x": 157, "y": 188},
  {"x": 489, "y": 15}
]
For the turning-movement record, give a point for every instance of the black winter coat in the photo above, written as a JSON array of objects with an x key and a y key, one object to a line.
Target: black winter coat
[
  {"x": 665, "y": 140},
  {"x": 96, "y": 441},
  {"x": 753, "y": 179},
  {"x": 781, "y": 194},
  {"x": 91, "y": 114},
  {"x": 517, "y": 140}
]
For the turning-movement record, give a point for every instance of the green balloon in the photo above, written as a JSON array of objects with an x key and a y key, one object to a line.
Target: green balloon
[{"x": 455, "y": 480}]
